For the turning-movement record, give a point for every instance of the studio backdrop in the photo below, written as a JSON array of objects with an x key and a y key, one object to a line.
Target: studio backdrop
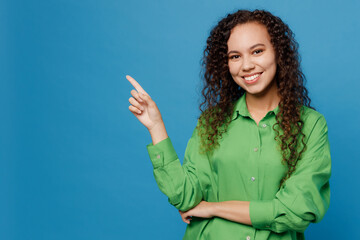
[{"x": 73, "y": 158}]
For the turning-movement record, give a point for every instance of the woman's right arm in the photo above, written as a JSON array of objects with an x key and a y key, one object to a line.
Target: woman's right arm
[
  {"x": 178, "y": 182},
  {"x": 146, "y": 111}
]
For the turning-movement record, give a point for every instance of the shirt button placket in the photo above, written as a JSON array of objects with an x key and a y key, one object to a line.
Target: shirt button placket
[{"x": 253, "y": 173}]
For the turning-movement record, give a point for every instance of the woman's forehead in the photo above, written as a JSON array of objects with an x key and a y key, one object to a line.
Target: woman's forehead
[{"x": 246, "y": 35}]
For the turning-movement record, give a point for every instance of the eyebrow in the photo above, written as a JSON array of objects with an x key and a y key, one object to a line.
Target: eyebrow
[{"x": 254, "y": 46}]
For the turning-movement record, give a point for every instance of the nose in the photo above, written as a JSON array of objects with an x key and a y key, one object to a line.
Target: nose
[{"x": 247, "y": 64}]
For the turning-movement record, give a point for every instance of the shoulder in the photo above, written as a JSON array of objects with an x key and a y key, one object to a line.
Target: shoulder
[
  {"x": 310, "y": 115},
  {"x": 316, "y": 136},
  {"x": 313, "y": 121}
]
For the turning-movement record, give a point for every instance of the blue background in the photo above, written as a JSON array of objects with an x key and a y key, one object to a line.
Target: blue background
[{"x": 73, "y": 158}]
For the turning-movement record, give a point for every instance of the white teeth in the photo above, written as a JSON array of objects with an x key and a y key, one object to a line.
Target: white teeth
[{"x": 252, "y": 77}]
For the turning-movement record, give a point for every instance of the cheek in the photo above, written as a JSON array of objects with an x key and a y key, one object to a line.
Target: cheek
[
  {"x": 272, "y": 67},
  {"x": 271, "y": 61},
  {"x": 269, "y": 64},
  {"x": 233, "y": 68}
]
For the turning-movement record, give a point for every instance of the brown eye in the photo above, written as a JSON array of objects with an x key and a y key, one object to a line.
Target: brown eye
[
  {"x": 234, "y": 57},
  {"x": 258, "y": 51}
]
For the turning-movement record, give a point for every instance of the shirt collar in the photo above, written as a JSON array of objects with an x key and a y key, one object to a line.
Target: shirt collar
[{"x": 240, "y": 108}]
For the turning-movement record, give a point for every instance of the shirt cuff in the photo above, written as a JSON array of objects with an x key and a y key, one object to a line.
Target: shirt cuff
[
  {"x": 261, "y": 213},
  {"x": 161, "y": 153}
]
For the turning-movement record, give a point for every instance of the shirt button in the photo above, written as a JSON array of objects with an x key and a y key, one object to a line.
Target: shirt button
[
  {"x": 252, "y": 179},
  {"x": 158, "y": 156},
  {"x": 248, "y": 238},
  {"x": 264, "y": 125},
  {"x": 255, "y": 149}
]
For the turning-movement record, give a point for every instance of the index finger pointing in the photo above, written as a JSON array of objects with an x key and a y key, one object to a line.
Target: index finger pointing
[{"x": 136, "y": 85}]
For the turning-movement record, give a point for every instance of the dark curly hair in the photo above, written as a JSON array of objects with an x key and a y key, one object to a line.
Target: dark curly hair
[{"x": 220, "y": 91}]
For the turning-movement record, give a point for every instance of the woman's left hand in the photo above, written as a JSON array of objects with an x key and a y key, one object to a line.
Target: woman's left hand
[{"x": 203, "y": 209}]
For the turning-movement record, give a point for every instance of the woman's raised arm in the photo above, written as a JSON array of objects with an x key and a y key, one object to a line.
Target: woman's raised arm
[
  {"x": 179, "y": 182},
  {"x": 146, "y": 111}
]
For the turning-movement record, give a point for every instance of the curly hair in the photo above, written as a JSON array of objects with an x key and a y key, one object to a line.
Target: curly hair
[{"x": 220, "y": 90}]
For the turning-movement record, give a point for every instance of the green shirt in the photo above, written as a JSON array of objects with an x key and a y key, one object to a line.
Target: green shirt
[{"x": 247, "y": 167}]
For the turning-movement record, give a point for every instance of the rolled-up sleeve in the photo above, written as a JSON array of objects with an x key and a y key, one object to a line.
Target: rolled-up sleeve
[
  {"x": 180, "y": 183},
  {"x": 305, "y": 196}
]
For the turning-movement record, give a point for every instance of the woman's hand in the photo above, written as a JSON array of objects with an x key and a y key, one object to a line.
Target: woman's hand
[
  {"x": 203, "y": 209},
  {"x": 143, "y": 107}
]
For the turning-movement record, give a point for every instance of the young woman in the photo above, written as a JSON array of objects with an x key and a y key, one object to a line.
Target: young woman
[{"x": 257, "y": 165}]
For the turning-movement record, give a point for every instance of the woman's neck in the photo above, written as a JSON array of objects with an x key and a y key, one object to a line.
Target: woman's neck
[{"x": 260, "y": 104}]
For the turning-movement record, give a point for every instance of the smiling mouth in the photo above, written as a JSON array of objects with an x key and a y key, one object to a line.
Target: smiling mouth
[{"x": 252, "y": 78}]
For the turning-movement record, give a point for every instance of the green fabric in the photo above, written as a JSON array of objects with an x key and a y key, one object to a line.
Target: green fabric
[{"x": 247, "y": 167}]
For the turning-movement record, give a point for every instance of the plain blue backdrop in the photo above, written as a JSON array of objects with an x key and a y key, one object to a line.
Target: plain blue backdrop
[{"x": 73, "y": 158}]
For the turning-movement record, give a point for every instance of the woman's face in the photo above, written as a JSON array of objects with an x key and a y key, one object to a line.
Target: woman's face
[{"x": 251, "y": 59}]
